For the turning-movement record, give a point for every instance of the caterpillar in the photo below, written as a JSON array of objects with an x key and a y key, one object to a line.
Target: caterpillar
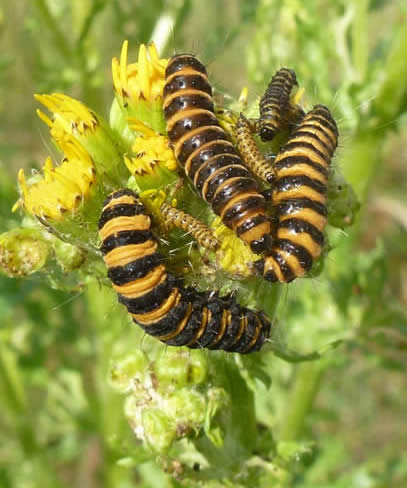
[
  {"x": 209, "y": 159},
  {"x": 156, "y": 300},
  {"x": 298, "y": 197},
  {"x": 250, "y": 153},
  {"x": 275, "y": 108},
  {"x": 199, "y": 231}
]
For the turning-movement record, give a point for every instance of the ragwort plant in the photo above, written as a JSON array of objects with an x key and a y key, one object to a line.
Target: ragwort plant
[
  {"x": 171, "y": 396},
  {"x": 205, "y": 418}
]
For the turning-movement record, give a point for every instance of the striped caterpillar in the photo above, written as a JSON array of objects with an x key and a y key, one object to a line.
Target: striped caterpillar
[
  {"x": 299, "y": 197},
  {"x": 298, "y": 175},
  {"x": 156, "y": 300},
  {"x": 198, "y": 230},
  {"x": 207, "y": 156},
  {"x": 276, "y": 112}
]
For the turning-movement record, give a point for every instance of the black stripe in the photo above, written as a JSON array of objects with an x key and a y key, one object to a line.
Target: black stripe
[
  {"x": 243, "y": 206},
  {"x": 249, "y": 332},
  {"x": 124, "y": 238},
  {"x": 212, "y": 165},
  {"x": 153, "y": 300},
  {"x": 300, "y": 226},
  {"x": 187, "y": 101},
  {"x": 231, "y": 189},
  {"x": 190, "y": 122},
  {"x": 121, "y": 210},
  {"x": 121, "y": 275},
  {"x": 221, "y": 177},
  {"x": 186, "y": 81},
  {"x": 206, "y": 154},
  {"x": 292, "y": 146},
  {"x": 249, "y": 223},
  {"x": 184, "y": 60},
  {"x": 169, "y": 322},
  {"x": 300, "y": 252},
  {"x": 290, "y": 182},
  {"x": 119, "y": 194},
  {"x": 302, "y": 132},
  {"x": 290, "y": 161},
  {"x": 195, "y": 141},
  {"x": 322, "y": 129},
  {"x": 285, "y": 268},
  {"x": 293, "y": 205}
]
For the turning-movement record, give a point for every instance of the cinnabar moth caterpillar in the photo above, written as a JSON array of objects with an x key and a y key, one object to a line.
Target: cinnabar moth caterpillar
[
  {"x": 250, "y": 153},
  {"x": 156, "y": 300},
  {"x": 207, "y": 156},
  {"x": 298, "y": 196},
  {"x": 198, "y": 230},
  {"x": 275, "y": 109}
]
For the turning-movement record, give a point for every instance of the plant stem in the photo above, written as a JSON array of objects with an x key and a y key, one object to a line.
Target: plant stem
[{"x": 301, "y": 398}]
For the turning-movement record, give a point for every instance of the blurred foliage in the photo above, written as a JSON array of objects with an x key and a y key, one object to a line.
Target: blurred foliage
[{"x": 335, "y": 422}]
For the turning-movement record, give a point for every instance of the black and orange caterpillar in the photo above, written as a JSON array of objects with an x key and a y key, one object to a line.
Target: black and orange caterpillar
[
  {"x": 156, "y": 300},
  {"x": 209, "y": 159},
  {"x": 299, "y": 197},
  {"x": 276, "y": 112}
]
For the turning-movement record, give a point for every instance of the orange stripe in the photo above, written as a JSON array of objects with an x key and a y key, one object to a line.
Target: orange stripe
[
  {"x": 143, "y": 285},
  {"x": 120, "y": 256},
  {"x": 118, "y": 224}
]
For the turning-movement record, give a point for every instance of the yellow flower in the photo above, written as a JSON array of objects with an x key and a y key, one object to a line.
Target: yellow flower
[
  {"x": 62, "y": 188},
  {"x": 70, "y": 116},
  {"x": 149, "y": 149},
  {"x": 233, "y": 255},
  {"x": 142, "y": 80}
]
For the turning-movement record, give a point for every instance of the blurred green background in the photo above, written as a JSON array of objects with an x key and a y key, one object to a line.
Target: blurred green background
[{"x": 61, "y": 424}]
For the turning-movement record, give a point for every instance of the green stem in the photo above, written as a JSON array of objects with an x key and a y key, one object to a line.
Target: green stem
[
  {"x": 52, "y": 23},
  {"x": 393, "y": 91},
  {"x": 301, "y": 398},
  {"x": 12, "y": 387},
  {"x": 360, "y": 47}
]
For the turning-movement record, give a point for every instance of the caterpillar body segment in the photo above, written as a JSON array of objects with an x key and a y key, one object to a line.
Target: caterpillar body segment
[
  {"x": 156, "y": 300},
  {"x": 250, "y": 153},
  {"x": 208, "y": 157},
  {"x": 198, "y": 230},
  {"x": 299, "y": 197},
  {"x": 275, "y": 107}
]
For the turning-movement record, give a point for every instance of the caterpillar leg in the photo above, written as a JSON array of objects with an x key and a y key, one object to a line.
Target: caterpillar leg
[{"x": 299, "y": 197}]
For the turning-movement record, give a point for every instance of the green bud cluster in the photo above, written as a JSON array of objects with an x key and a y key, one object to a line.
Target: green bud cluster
[{"x": 166, "y": 399}]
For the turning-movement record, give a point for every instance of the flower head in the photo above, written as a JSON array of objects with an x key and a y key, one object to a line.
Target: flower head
[
  {"x": 149, "y": 150},
  {"x": 233, "y": 255},
  {"x": 72, "y": 120},
  {"x": 62, "y": 188},
  {"x": 142, "y": 80}
]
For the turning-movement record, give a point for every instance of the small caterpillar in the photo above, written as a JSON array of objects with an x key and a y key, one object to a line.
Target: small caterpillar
[
  {"x": 198, "y": 230},
  {"x": 298, "y": 196},
  {"x": 202, "y": 147},
  {"x": 275, "y": 104},
  {"x": 250, "y": 153},
  {"x": 156, "y": 300}
]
